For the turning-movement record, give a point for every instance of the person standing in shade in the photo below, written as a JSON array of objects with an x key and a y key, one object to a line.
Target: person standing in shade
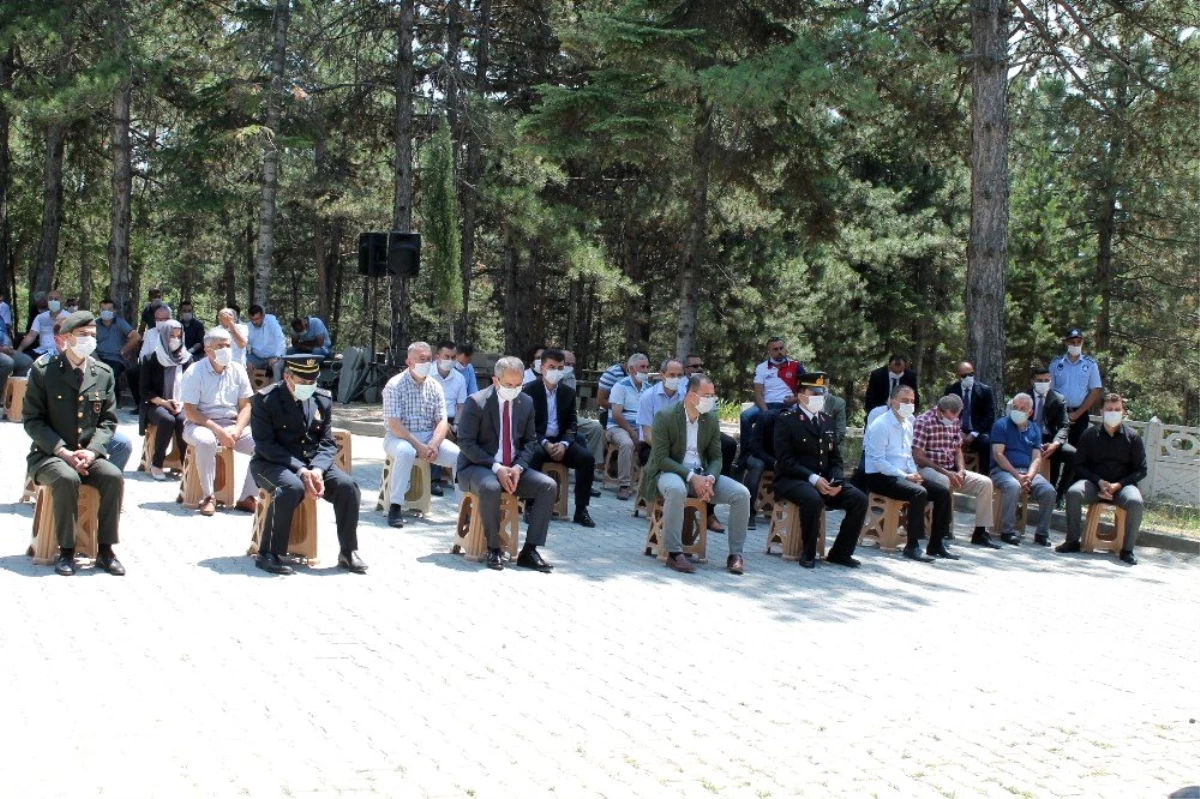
[
  {"x": 1077, "y": 377},
  {"x": 1109, "y": 463},
  {"x": 978, "y": 414},
  {"x": 1016, "y": 470},
  {"x": 414, "y": 410},
  {"x": 892, "y": 472},
  {"x": 497, "y": 440},
  {"x": 294, "y": 455},
  {"x": 884, "y": 380},
  {"x": 808, "y": 473},
  {"x": 193, "y": 330},
  {"x": 685, "y": 460},
  {"x": 70, "y": 412}
]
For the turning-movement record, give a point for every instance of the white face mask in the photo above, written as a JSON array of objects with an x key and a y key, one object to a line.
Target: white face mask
[
  {"x": 107, "y": 316},
  {"x": 445, "y": 365},
  {"x": 537, "y": 364},
  {"x": 568, "y": 370},
  {"x": 1018, "y": 417},
  {"x": 421, "y": 369},
  {"x": 671, "y": 383},
  {"x": 305, "y": 391},
  {"x": 508, "y": 394},
  {"x": 1113, "y": 418},
  {"x": 949, "y": 422},
  {"x": 816, "y": 403},
  {"x": 54, "y": 305},
  {"x": 640, "y": 377},
  {"x": 174, "y": 344},
  {"x": 1074, "y": 350},
  {"x": 553, "y": 376},
  {"x": 223, "y": 356},
  {"x": 1041, "y": 387},
  {"x": 706, "y": 404},
  {"x": 968, "y": 382},
  {"x": 84, "y": 346},
  {"x": 906, "y": 410},
  {"x": 186, "y": 317}
]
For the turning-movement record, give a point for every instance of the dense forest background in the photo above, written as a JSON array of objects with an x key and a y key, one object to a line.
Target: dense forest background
[{"x": 628, "y": 175}]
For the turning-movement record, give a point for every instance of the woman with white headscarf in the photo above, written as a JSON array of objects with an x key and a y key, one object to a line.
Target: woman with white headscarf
[{"x": 162, "y": 377}]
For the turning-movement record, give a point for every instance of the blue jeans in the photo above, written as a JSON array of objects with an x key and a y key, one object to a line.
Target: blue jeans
[
  {"x": 747, "y": 424},
  {"x": 119, "y": 450}
]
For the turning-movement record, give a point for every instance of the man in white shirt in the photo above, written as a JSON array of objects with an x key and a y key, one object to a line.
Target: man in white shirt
[
  {"x": 216, "y": 402},
  {"x": 622, "y": 419},
  {"x": 239, "y": 333},
  {"x": 414, "y": 410},
  {"x": 42, "y": 329},
  {"x": 892, "y": 472},
  {"x": 454, "y": 388},
  {"x": 265, "y": 344},
  {"x": 774, "y": 387}
]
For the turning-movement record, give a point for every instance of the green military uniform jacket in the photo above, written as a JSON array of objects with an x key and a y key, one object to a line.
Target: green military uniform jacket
[
  {"x": 61, "y": 410},
  {"x": 668, "y": 445}
]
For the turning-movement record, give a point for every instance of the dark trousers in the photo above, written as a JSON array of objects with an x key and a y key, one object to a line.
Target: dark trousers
[
  {"x": 287, "y": 492},
  {"x": 1077, "y": 427},
  {"x": 119, "y": 368},
  {"x": 982, "y": 446},
  {"x": 1062, "y": 469},
  {"x": 167, "y": 425},
  {"x": 580, "y": 460},
  {"x": 752, "y": 472},
  {"x": 533, "y": 485},
  {"x": 729, "y": 447},
  {"x": 64, "y": 483},
  {"x": 916, "y": 495},
  {"x": 810, "y": 501}
]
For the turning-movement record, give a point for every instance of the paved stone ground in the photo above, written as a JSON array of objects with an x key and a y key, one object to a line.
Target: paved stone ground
[{"x": 1018, "y": 672}]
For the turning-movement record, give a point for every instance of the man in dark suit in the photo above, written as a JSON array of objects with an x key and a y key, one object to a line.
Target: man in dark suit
[
  {"x": 293, "y": 458},
  {"x": 808, "y": 473},
  {"x": 556, "y": 427},
  {"x": 1050, "y": 414},
  {"x": 885, "y": 378},
  {"x": 978, "y": 414},
  {"x": 760, "y": 456},
  {"x": 497, "y": 441}
]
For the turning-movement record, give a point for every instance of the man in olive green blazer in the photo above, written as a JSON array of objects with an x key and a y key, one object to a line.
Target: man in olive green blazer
[
  {"x": 685, "y": 460},
  {"x": 70, "y": 413}
]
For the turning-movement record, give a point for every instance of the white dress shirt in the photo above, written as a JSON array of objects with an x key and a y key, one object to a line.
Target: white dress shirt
[{"x": 888, "y": 446}]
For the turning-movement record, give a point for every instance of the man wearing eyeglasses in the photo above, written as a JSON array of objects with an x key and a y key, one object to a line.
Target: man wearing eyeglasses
[{"x": 978, "y": 414}]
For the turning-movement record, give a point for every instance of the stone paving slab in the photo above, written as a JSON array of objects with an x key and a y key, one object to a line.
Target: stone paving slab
[{"x": 1010, "y": 673}]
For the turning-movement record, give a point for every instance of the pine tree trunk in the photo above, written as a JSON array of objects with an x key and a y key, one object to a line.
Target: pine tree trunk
[
  {"x": 403, "y": 192},
  {"x": 52, "y": 207},
  {"x": 319, "y": 253},
  {"x": 6, "y": 268},
  {"x": 469, "y": 191},
  {"x": 697, "y": 223},
  {"x": 336, "y": 275},
  {"x": 987, "y": 247},
  {"x": 122, "y": 179},
  {"x": 270, "y": 182}
]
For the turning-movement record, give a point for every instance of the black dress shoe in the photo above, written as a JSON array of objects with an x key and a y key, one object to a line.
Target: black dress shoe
[
  {"x": 584, "y": 518},
  {"x": 1042, "y": 540},
  {"x": 949, "y": 536},
  {"x": 436, "y": 490},
  {"x": 270, "y": 562},
  {"x": 29, "y": 552},
  {"x": 808, "y": 563},
  {"x": 1127, "y": 556},
  {"x": 351, "y": 562},
  {"x": 1068, "y": 546},
  {"x": 984, "y": 540},
  {"x": 65, "y": 565},
  {"x": 752, "y": 524},
  {"x": 532, "y": 559},
  {"x": 495, "y": 560},
  {"x": 1011, "y": 538},
  {"x": 941, "y": 552},
  {"x": 395, "y": 515},
  {"x": 109, "y": 563},
  {"x": 595, "y": 493},
  {"x": 914, "y": 553},
  {"x": 847, "y": 561}
]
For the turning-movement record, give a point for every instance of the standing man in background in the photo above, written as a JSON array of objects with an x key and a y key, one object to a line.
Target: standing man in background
[{"x": 1077, "y": 377}]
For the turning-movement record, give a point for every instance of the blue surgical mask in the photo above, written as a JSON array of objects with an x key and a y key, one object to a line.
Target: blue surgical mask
[
  {"x": 108, "y": 316},
  {"x": 54, "y": 305},
  {"x": 304, "y": 391}
]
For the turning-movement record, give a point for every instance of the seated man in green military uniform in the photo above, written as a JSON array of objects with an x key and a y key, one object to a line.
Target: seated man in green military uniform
[
  {"x": 294, "y": 452},
  {"x": 70, "y": 412}
]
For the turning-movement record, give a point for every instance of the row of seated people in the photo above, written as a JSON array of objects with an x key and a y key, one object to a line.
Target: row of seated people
[
  {"x": 69, "y": 412},
  {"x": 260, "y": 344}
]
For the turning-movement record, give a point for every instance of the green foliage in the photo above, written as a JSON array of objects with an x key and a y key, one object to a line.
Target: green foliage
[{"x": 440, "y": 223}]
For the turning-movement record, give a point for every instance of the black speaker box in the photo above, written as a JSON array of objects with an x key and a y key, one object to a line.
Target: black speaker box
[
  {"x": 373, "y": 254},
  {"x": 404, "y": 254}
]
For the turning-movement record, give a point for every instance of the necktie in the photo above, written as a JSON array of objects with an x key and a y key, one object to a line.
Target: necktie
[
  {"x": 1037, "y": 410},
  {"x": 505, "y": 435},
  {"x": 966, "y": 417}
]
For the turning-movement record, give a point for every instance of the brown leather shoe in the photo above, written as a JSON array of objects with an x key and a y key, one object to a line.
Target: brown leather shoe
[
  {"x": 680, "y": 563},
  {"x": 735, "y": 564},
  {"x": 624, "y": 492},
  {"x": 208, "y": 506},
  {"x": 714, "y": 525},
  {"x": 248, "y": 504}
]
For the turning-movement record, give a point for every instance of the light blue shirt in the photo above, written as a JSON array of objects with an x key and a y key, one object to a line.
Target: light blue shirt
[
  {"x": 266, "y": 341},
  {"x": 315, "y": 328},
  {"x": 468, "y": 373},
  {"x": 888, "y": 445},
  {"x": 627, "y": 393},
  {"x": 653, "y": 400},
  {"x": 1074, "y": 380}
]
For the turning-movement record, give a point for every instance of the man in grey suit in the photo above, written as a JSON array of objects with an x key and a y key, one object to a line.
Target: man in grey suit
[{"x": 497, "y": 438}]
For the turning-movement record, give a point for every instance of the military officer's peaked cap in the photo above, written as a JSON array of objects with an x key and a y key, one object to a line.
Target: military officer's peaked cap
[
  {"x": 77, "y": 319},
  {"x": 811, "y": 379},
  {"x": 305, "y": 366}
]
